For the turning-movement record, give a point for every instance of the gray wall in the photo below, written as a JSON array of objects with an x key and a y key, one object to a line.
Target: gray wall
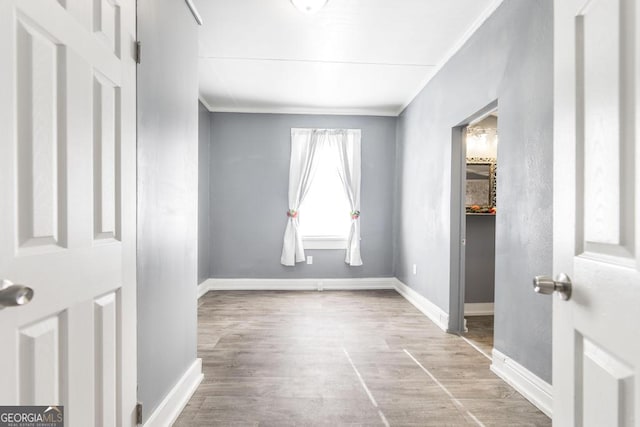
[
  {"x": 204, "y": 140},
  {"x": 509, "y": 59},
  {"x": 249, "y": 181},
  {"x": 167, "y": 197},
  {"x": 480, "y": 258}
]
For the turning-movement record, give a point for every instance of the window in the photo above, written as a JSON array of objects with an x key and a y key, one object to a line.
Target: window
[
  {"x": 324, "y": 194},
  {"x": 325, "y": 213}
]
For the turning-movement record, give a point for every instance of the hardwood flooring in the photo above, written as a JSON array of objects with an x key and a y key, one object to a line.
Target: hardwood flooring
[
  {"x": 480, "y": 333},
  {"x": 341, "y": 358}
]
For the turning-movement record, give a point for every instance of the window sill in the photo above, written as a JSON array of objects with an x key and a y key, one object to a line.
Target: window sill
[{"x": 314, "y": 242}]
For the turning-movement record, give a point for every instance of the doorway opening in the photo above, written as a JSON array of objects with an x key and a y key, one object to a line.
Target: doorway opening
[
  {"x": 474, "y": 195},
  {"x": 481, "y": 141}
]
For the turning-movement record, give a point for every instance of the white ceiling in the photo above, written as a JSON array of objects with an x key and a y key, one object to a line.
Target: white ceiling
[{"x": 352, "y": 57}]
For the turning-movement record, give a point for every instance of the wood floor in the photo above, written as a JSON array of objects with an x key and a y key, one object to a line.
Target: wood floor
[
  {"x": 480, "y": 333},
  {"x": 341, "y": 358}
]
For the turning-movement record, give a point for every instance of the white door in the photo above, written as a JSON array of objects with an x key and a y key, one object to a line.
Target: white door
[
  {"x": 596, "y": 333},
  {"x": 67, "y": 207}
]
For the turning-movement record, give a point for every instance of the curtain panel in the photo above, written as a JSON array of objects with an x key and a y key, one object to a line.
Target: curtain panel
[
  {"x": 349, "y": 169},
  {"x": 304, "y": 146}
]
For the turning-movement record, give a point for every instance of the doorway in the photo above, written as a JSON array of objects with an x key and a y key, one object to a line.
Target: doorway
[
  {"x": 474, "y": 208},
  {"x": 481, "y": 143}
]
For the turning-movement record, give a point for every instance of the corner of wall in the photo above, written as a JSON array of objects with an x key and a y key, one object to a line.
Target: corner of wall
[
  {"x": 394, "y": 215},
  {"x": 422, "y": 303}
]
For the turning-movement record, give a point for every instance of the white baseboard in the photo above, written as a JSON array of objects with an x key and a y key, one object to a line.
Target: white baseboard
[
  {"x": 204, "y": 287},
  {"x": 478, "y": 309},
  {"x": 532, "y": 387},
  {"x": 429, "y": 309},
  {"x": 295, "y": 284},
  {"x": 172, "y": 405}
]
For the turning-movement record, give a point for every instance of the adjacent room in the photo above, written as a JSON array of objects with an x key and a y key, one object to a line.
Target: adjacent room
[{"x": 325, "y": 148}]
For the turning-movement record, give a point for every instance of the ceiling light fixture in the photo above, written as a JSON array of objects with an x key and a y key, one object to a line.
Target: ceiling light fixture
[{"x": 309, "y": 6}]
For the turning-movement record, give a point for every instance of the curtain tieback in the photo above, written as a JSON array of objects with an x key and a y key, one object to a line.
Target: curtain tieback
[
  {"x": 355, "y": 214},
  {"x": 292, "y": 213}
]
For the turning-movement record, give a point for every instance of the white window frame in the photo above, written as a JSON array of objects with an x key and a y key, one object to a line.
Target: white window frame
[{"x": 324, "y": 242}]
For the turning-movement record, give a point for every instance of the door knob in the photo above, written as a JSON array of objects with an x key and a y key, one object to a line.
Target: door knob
[
  {"x": 12, "y": 295},
  {"x": 546, "y": 285}
]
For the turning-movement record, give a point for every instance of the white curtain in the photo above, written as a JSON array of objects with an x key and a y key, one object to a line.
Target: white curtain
[
  {"x": 304, "y": 146},
  {"x": 348, "y": 149}
]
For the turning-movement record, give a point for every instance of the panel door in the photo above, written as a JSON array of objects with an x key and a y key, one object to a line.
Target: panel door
[
  {"x": 596, "y": 333},
  {"x": 67, "y": 206}
]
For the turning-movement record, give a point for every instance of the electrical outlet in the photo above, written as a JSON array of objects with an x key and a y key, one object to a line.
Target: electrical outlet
[
  {"x": 309, "y": 260},
  {"x": 415, "y": 269}
]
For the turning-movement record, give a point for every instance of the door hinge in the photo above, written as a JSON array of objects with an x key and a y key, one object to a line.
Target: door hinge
[
  {"x": 137, "y": 52},
  {"x": 139, "y": 413}
]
